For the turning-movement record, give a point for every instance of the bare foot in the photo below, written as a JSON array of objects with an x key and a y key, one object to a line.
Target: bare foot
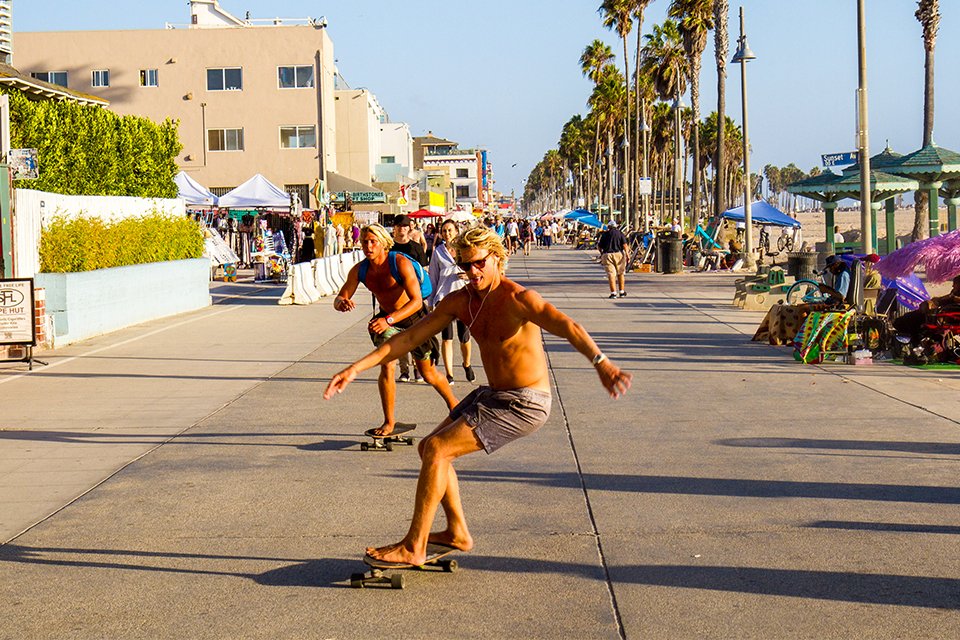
[
  {"x": 383, "y": 430},
  {"x": 464, "y": 541},
  {"x": 397, "y": 553}
]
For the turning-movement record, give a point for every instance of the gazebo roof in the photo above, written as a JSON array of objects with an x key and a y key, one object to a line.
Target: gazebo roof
[
  {"x": 931, "y": 163},
  {"x": 886, "y": 159},
  {"x": 830, "y": 187}
]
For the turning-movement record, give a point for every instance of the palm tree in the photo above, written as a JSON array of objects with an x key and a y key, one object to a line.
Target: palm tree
[
  {"x": 574, "y": 150},
  {"x": 721, "y": 46},
  {"x": 594, "y": 58},
  {"x": 663, "y": 58},
  {"x": 608, "y": 102},
  {"x": 639, "y": 6},
  {"x": 696, "y": 21},
  {"x": 928, "y": 14},
  {"x": 616, "y": 15}
]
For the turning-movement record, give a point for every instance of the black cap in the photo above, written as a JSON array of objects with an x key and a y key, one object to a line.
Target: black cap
[{"x": 402, "y": 221}]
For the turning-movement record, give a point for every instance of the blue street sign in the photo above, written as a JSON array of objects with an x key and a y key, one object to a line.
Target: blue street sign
[{"x": 839, "y": 159}]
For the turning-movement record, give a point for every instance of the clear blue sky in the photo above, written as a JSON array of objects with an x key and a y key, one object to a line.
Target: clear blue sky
[{"x": 504, "y": 74}]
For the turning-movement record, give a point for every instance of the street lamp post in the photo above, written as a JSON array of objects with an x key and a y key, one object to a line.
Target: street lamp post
[
  {"x": 863, "y": 142},
  {"x": 645, "y": 129},
  {"x": 743, "y": 55},
  {"x": 678, "y": 182}
]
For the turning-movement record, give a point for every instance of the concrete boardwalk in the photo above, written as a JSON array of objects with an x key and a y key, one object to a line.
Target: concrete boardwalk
[{"x": 183, "y": 478}]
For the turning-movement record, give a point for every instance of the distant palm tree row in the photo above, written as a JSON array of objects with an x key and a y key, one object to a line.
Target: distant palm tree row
[{"x": 640, "y": 129}]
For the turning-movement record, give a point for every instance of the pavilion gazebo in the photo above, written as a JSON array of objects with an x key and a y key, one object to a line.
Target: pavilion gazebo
[{"x": 829, "y": 188}]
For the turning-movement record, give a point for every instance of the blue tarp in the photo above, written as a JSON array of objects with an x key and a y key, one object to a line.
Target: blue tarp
[
  {"x": 762, "y": 213},
  {"x": 576, "y": 213}
]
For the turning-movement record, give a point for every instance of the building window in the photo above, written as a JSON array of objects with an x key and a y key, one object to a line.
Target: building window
[
  {"x": 225, "y": 139},
  {"x": 462, "y": 173},
  {"x": 388, "y": 159},
  {"x": 298, "y": 137},
  {"x": 302, "y": 190},
  {"x": 101, "y": 78},
  {"x": 463, "y": 191},
  {"x": 295, "y": 77},
  {"x": 148, "y": 78},
  {"x": 226, "y": 79},
  {"x": 53, "y": 77}
]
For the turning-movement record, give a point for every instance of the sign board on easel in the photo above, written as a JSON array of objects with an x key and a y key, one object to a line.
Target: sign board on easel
[{"x": 18, "y": 315}]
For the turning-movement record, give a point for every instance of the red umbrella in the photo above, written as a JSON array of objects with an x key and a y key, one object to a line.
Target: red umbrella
[{"x": 424, "y": 213}]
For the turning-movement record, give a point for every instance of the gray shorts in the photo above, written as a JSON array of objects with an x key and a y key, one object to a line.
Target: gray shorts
[{"x": 499, "y": 417}]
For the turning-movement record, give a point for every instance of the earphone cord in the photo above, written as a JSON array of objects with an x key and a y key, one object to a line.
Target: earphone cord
[{"x": 473, "y": 317}]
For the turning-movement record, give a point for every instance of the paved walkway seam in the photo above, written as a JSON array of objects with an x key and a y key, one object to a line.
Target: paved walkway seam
[{"x": 615, "y": 608}]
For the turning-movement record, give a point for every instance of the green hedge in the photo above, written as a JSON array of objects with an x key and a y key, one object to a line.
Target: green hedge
[
  {"x": 85, "y": 244},
  {"x": 88, "y": 150}
]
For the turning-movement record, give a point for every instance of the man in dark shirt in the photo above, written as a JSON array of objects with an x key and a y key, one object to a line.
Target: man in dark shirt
[
  {"x": 404, "y": 243},
  {"x": 613, "y": 256}
]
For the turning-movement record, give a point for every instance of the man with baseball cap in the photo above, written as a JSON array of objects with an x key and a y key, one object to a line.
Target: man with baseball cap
[{"x": 613, "y": 256}]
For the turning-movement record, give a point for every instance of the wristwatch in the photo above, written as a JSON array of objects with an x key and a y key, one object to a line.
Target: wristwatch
[
  {"x": 390, "y": 320},
  {"x": 597, "y": 359}
]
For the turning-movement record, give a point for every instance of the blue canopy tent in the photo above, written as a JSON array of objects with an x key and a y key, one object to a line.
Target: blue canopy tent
[
  {"x": 585, "y": 217},
  {"x": 762, "y": 213}
]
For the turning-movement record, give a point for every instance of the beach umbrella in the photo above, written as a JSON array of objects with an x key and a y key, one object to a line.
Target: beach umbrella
[
  {"x": 939, "y": 256},
  {"x": 461, "y": 216},
  {"x": 425, "y": 213},
  {"x": 576, "y": 213}
]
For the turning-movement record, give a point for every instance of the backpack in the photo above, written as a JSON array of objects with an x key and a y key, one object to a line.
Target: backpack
[{"x": 426, "y": 287}]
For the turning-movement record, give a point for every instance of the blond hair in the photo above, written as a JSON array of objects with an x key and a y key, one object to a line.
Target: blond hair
[
  {"x": 482, "y": 238},
  {"x": 378, "y": 232}
]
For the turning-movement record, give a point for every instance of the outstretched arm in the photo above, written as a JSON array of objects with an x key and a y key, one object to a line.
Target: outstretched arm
[
  {"x": 548, "y": 317},
  {"x": 344, "y": 300},
  {"x": 402, "y": 343}
]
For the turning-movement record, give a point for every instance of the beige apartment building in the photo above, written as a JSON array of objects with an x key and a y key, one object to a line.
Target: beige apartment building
[{"x": 250, "y": 97}]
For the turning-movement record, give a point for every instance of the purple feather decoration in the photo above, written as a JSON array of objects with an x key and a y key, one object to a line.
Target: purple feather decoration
[{"x": 940, "y": 256}]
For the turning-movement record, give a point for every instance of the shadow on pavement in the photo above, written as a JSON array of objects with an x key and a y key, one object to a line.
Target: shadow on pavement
[
  {"x": 893, "y": 527},
  {"x": 901, "y": 590},
  {"x": 735, "y": 487},
  {"x": 944, "y": 448}
]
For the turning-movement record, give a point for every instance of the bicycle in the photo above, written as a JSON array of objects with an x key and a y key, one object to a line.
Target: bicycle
[
  {"x": 810, "y": 291},
  {"x": 786, "y": 240}
]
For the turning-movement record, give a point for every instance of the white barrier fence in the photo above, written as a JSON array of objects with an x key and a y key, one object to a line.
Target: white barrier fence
[{"x": 310, "y": 281}]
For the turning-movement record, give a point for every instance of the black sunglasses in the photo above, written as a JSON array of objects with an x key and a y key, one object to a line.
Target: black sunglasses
[{"x": 479, "y": 264}]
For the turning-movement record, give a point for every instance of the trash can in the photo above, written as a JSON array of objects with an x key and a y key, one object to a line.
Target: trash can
[
  {"x": 801, "y": 264},
  {"x": 661, "y": 250},
  {"x": 672, "y": 255}
]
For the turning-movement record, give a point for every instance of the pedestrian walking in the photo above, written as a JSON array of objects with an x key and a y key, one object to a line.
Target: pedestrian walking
[
  {"x": 447, "y": 278},
  {"x": 506, "y": 320},
  {"x": 613, "y": 256}
]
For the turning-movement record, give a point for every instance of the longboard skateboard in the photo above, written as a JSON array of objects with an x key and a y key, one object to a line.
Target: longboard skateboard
[
  {"x": 385, "y": 443},
  {"x": 436, "y": 558}
]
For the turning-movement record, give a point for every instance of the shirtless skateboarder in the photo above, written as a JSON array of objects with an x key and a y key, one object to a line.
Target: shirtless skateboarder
[
  {"x": 401, "y": 305},
  {"x": 505, "y": 319}
]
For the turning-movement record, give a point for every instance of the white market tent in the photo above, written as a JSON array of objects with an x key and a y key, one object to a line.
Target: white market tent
[
  {"x": 193, "y": 192},
  {"x": 256, "y": 192}
]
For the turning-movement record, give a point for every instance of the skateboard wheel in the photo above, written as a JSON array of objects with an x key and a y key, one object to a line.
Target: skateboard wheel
[
  {"x": 396, "y": 581},
  {"x": 356, "y": 580},
  {"x": 364, "y": 446},
  {"x": 450, "y": 566},
  {"x": 389, "y": 447}
]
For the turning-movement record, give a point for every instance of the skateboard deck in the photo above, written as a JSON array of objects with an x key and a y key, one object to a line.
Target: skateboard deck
[
  {"x": 436, "y": 558},
  {"x": 385, "y": 443}
]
